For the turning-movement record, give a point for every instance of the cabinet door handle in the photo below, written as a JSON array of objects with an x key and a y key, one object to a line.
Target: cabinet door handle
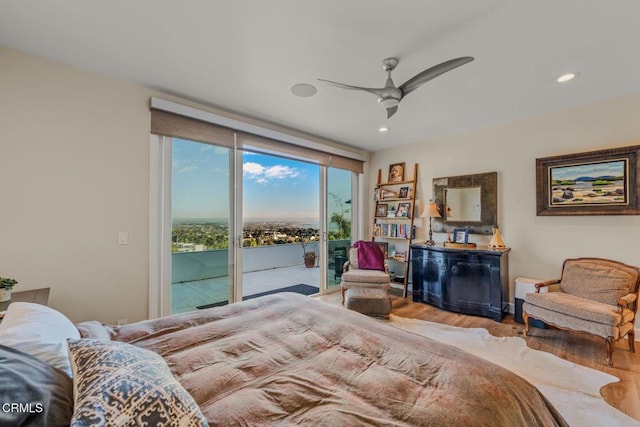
[{"x": 455, "y": 269}]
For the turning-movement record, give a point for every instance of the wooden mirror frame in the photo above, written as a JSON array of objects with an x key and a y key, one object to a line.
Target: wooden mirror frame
[{"x": 488, "y": 183}]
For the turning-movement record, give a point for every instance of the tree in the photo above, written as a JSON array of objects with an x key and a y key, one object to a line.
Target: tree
[{"x": 340, "y": 219}]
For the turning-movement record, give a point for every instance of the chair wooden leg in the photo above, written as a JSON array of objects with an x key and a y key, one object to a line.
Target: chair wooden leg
[
  {"x": 525, "y": 317},
  {"x": 631, "y": 336},
  {"x": 342, "y": 291},
  {"x": 610, "y": 345}
]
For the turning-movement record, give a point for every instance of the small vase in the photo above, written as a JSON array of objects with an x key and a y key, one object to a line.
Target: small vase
[{"x": 5, "y": 295}]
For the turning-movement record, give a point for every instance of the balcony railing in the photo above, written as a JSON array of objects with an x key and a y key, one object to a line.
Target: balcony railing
[{"x": 201, "y": 278}]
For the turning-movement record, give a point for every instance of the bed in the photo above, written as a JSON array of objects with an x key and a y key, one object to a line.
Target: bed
[{"x": 287, "y": 359}]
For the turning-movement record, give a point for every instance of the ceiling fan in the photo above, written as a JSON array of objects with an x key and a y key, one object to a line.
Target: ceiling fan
[{"x": 390, "y": 96}]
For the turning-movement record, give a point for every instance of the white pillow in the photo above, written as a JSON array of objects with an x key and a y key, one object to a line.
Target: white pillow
[{"x": 40, "y": 331}]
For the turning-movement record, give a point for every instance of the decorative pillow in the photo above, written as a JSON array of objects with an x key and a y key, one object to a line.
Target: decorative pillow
[
  {"x": 40, "y": 331},
  {"x": 93, "y": 329},
  {"x": 118, "y": 384},
  {"x": 33, "y": 392}
]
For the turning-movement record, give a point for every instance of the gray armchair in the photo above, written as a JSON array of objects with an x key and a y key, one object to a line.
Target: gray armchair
[
  {"x": 367, "y": 291},
  {"x": 354, "y": 277},
  {"x": 593, "y": 295}
]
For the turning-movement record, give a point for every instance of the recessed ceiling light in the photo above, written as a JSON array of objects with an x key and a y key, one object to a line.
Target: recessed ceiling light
[
  {"x": 566, "y": 77},
  {"x": 304, "y": 90},
  {"x": 383, "y": 129}
]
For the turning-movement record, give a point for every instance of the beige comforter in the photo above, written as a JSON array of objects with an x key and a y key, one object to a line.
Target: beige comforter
[{"x": 287, "y": 359}]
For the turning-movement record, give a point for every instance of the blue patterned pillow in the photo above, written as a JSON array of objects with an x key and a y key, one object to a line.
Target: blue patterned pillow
[{"x": 118, "y": 384}]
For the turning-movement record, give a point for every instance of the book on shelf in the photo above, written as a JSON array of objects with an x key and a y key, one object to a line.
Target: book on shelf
[
  {"x": 392, "y": 230},
  {"x": 400, "y": 256}
]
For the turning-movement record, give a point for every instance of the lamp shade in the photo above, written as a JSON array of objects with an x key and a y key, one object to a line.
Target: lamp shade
[{"x": 430, "y": 210}]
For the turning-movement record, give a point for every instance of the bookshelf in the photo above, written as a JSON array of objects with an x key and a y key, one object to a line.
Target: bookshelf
[{"x": 393, "y": 220}]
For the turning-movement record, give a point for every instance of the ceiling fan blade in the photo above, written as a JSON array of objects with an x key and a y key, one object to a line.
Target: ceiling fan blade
[
  {"x": 391, "y": 111},
  {"x": 344, "y": 86},
  {"x": 430, "y": 73}
]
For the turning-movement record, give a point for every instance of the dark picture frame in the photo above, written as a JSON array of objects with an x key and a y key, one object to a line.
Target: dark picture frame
[
  {"x": 396, "y": 172},
  {"x": 461, "y": 235},
  {"x": 404, "y": 210},
  {"x": 381, "y": 210},
  {"x": 603, "y": 182},
  {"x": 403, "y": 193}
]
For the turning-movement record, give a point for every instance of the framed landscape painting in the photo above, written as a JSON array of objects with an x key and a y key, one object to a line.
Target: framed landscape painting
[{"x": 601, "y": 182}]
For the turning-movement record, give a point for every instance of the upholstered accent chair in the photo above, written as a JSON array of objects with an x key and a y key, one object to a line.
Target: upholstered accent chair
[
  {"x": 594, "y": 295},
  {"x": 367, "y": 291}
]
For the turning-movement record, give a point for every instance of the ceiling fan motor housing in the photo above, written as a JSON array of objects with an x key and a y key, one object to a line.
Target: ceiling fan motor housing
[{"x": 390, "y": 95}]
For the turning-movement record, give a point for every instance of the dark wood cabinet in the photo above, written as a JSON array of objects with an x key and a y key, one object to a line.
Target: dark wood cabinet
[{"x": 468, "y": 281}]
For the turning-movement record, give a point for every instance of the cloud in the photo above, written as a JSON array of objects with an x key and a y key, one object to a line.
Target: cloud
[
  {"x": 262, "y": 174},
  {"x": 188, "y": 169},
  {"x": 280, "y": 172},
  {"x": 252, "y": 169},
  {"x": 222, "y": 151},
  {"x": 183, "y": 166}
]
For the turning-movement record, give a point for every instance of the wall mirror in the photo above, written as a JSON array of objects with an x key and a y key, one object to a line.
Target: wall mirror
[
  {"x": 462, "y": 204},
  {"x": 467, "y": 201}
]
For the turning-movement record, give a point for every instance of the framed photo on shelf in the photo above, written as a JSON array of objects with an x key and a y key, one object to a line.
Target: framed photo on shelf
[
  {"x": 461, "y": 235},
  {"x": 403, "y": 210},
  {"x": 388, "y": 194},
  {"x": 381, "y": 210},
  {"x": 603, "y": 182},
  {"x": 396, "y": 172},
  {"x": 404, "y": 193}
]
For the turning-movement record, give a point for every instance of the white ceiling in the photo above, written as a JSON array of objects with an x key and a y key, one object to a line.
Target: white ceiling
[{"x": 244, "y": 56}]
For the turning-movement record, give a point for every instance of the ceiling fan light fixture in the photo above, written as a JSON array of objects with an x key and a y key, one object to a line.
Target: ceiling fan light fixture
[{"x": 389, "y": 102}]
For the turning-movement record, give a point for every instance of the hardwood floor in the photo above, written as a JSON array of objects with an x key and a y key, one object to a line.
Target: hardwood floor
[{"x": 582, "y": 349}]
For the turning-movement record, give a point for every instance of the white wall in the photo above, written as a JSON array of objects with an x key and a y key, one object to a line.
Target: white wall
[
  {"x": 539, "y": 244},
  {"x": 74, "y": 156}
]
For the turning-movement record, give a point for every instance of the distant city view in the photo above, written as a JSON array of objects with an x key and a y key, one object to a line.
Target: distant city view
[{"x": 192, "y": 236}]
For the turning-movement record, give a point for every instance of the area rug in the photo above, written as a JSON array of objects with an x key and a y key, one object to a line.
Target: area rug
[
  {"x": 299, "y": 289},
  {"x": 573, "y": 389}
]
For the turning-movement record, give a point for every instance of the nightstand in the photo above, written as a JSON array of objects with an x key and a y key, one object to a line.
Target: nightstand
[{"x": 39, "y": 296}]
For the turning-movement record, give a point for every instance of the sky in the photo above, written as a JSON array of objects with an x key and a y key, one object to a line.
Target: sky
[
  {"x": 273, "y": 187},
  {"x": 615, "y": 168}
]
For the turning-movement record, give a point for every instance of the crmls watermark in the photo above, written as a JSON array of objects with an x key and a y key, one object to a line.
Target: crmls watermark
[{"x": 22, "y": 407}]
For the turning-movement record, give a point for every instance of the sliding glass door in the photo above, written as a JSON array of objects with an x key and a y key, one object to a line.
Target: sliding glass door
[
  {"x": 340, "y": 220},
  {"x": 281, "y": 225},
  {"x": 200, "y": 214},
  {"x": 234, "y": 224}
]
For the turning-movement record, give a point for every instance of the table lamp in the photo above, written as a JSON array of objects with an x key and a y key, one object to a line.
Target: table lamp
[{"x": 430, "y": 210}]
